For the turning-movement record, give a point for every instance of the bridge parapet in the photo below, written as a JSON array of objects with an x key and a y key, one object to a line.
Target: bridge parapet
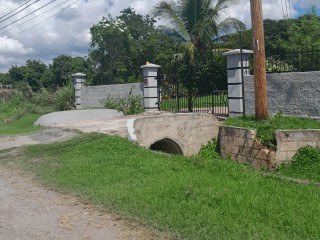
[{"x": 175, "y": 133}]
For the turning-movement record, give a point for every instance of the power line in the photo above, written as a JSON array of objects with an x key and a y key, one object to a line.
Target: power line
[
  {"x": 283, "y": 14},
  {"x": 23, "y": 23},
  {"x": 8, "y": 37},
  {"x": 16, "y": 9},
  {"x": 9, "y": 8},
  {"x": 28, "y": 14},
  {"x": 19, "y": 11}
]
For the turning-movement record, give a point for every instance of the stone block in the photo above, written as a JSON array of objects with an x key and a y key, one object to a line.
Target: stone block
[
  {"x": 262, "y": 154},
  {"x": 260, "y": 163},
  {"x": 242, "y": 133},
  {"x": 239, "y": 141},
  {"x": 298, "y": 136},
  {"x": 290, "y": 154},
  {"x": 241, "y": 158},
  {"x": 251, "y": 134},
  {"x": 236, "y": 149},
  {"x": 288, "y": 146}
]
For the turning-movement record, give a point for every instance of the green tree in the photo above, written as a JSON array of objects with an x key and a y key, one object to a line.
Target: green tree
[
  {"x": 30, "y": 74},
  {"x": 120, "y": 46},
  {"x": 60, "y": 71},
  {"x": 4, "y": 78},
  {"x": 109, "y": 44},
  {"x": 198, "y": 22}
]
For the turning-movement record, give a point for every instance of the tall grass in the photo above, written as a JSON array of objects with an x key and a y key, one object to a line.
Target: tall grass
[
  {"x": 194, "y": 198},
  {"x": 25, "y": 106}
]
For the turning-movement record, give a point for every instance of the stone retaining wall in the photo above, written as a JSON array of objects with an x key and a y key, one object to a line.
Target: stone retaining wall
[
  {"x": 289, "y": 141},
  {"x": 241, "y": 145}
]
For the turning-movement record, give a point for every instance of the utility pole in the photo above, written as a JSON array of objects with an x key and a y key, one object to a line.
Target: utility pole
[{"x": 260, "y": 82}]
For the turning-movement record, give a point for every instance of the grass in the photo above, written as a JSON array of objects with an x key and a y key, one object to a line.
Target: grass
[
  {"x": 20, "y": 126},
  {"x": 304, "y": 165},
  {"x": 194, "y": 198},
  {"x": 266, "y": 129}
]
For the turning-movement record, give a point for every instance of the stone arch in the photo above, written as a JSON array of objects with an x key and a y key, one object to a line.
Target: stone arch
[{"x": 167, "y": 145}]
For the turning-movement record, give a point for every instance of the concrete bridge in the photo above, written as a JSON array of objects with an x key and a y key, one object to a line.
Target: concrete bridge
[{"x": 181, "y": 133}]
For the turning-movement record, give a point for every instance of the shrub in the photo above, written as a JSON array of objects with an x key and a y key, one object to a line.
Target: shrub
[
  {"x": 210, "y": 151},
  {"x": 64, "y": 98},
  {"x": 130, "y": 104}
]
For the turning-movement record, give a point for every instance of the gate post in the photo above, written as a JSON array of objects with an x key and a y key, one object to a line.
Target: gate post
[
  {"x": 150, "y": 87},
  {"x": 78, "y": 81},
  {"x": 236, "y": 71}
]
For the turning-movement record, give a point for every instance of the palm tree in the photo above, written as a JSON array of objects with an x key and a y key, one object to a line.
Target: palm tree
[{"x": 198, "y": 22}]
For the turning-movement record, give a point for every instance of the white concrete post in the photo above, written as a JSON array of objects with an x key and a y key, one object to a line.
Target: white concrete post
[
  {"x": 235, "y": 89},
  {"x": 79, "y": 79},
  {"x": 150, "y": 86}
]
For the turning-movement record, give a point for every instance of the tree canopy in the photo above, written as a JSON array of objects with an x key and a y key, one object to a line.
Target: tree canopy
[
  {"x": 119, "y": 46},
  {"x": 198, "y": 22}
]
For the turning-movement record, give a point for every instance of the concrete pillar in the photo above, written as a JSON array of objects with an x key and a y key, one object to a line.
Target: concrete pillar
[
  {"x": 78, "y": 81},
  {"x": 150, "y": 87},
  {"x": 235, "y": 87}
]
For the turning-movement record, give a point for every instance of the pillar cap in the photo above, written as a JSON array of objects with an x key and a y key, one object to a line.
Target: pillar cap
[
  {"x": 150, "y": 65},
  {"x": 79, "y": 75},
  {"x": 237, "y": 51}
]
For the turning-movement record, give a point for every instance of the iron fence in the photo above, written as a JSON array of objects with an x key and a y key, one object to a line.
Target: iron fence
[
  {"x": 192, "y": 88},
  {"x": 304, "y": 59}
]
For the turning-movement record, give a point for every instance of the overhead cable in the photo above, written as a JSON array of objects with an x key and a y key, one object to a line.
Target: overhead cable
[
  {"x": 11, "y": 36},
  {"x": 23, "y": 23},
  {"x": 28, "y": 14},
  {"x": 18, "y": 11}
]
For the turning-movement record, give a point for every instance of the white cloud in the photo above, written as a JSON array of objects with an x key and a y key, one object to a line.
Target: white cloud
[{"x": 13, "y": 47}]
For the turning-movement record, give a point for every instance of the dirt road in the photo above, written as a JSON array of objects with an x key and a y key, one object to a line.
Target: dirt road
[{"x": 30, "y": 211}]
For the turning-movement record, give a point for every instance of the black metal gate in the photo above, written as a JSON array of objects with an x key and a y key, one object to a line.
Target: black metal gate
[{"x": 188, "y": 87}]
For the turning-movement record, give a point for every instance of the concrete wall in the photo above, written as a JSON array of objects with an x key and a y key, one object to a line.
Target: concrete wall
[
  {"x": 289, "y": 93},
  {"x": 289, "y": 141},
  {"x": 190, "y": 130},
  {"x": 95, "y": 96},
  {"x": 241, "y": 145}
]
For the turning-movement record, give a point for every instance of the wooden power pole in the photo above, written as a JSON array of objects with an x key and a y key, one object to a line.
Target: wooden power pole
[{"x": 260, "y": 82}]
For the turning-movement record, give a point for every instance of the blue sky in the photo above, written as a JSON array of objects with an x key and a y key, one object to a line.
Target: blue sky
[
  {"x": 303, "y": 10},
  {"x": 68, "y": 32}
]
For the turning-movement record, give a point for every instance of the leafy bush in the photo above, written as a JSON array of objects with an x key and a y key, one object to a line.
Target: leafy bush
[
  {"x": 64, "y": 98},
  {"x": 130, "y": 104},
  {"x": 210, "y": 151}
]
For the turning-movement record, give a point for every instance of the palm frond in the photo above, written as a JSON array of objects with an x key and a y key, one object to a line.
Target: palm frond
[{"x": 169, "y": 11}]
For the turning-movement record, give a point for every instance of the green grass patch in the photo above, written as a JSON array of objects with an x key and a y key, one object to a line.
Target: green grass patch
[
  {"x": 266, "y": 129},
  {"x": 20, "y": 126},
  {"x": 195, "y": 198},
  {"x": 304, "y": 165}
]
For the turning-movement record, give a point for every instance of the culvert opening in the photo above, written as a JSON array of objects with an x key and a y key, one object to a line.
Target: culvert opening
[{"x": 167, "y": 145}]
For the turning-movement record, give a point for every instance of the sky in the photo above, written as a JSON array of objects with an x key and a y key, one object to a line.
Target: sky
[{"x": 45, "y": 29}]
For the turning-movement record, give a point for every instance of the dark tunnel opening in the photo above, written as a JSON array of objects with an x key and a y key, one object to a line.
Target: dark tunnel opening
[{"x": 167, "y": 145}]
